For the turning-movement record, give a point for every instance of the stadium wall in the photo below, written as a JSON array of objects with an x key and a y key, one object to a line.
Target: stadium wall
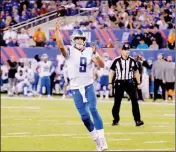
[
  {"x": 104, "y": 35},
  {"x": 6, "y": 52}
]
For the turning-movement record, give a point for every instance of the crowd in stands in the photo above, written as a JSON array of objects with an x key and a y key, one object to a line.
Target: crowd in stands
[
  {"x": 147, "y": 17},
  {"x": 140, "y": 39}
]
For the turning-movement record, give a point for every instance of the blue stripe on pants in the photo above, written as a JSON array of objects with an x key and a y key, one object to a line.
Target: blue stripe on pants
[{"x": 45, "y": 82}]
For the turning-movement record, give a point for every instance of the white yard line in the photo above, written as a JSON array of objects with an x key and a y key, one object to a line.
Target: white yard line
[
  {"x": 67, "y": 135},
  {"x": 170, "y": 115},
  {"x": 154, "y": 142},
  {"x": 70, "y": 99},
  {"x": 18, "y": 133},
  {"x": 118, "y": 139},
  {"x": 20, "y": 107}
]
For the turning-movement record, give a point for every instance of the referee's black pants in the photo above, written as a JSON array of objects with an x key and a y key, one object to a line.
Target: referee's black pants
[
  {"x": 130, "y": 88},
  {"x": 157, "y": 83}
]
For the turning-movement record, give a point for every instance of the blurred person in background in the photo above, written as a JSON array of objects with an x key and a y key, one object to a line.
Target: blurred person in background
[
  {"x": 44, "y": 68},
  {"x": 157, "y": 76},
  {"x": 169, "y": 78},
  {"x": 43, "y": 9},
  {"x": 52, "y": 6},
  {"x": 142, "y": 45},
  {"x": 118, "y": 44},
  {"x": 24, "y": 16},
  {"x": 2, "y": 42},
  {"x": 11, "y": 75},
  {"x": 9, "y": 34},
  {"x": 4, "y": 77},
  {"x": 39, "y": 37},
  {"x": 110, "y": 44},
  {"x": 171, "y": 39},
  {"x": 33, "y": 13},
  {"x": 11, "y": 43},
  {"x": 51, "y": 43},
  {"x": 157, "y": 36},
  {"x": 136, "y": 37},
  {"x": 23, "y": 39},
  {"x": 104, "y": 79},
  {"x": 154, "y": 45},
  {"x": 141, "y": 63}
]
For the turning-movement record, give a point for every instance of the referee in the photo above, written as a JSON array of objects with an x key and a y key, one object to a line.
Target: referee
[{"x": 125, "y": 69}]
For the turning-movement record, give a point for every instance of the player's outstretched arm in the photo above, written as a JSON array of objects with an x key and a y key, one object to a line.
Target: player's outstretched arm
[
  {"x": 59, "y": 40},
  {"x": 97, "y": 59}
]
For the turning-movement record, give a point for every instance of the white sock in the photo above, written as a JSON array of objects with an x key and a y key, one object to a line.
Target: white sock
[
  {"x": 101, "y": 133},
  {"x": 101, "y": 94},
  {"x": 107, "y": 93},
  {"x": 94, "y": 134}
]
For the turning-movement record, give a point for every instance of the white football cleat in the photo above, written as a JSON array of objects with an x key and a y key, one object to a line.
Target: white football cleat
[
  {"x": 50, "y": 97},
  {"x": 98, "y": 144},
  {"x": 103, "y": 143},
  {"x": 63, "y": 97}
]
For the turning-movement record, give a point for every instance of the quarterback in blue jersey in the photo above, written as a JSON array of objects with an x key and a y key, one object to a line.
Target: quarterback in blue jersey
[{"x": 80, "y": 60}]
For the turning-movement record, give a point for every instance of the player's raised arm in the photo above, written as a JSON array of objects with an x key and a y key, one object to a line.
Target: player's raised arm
[
  {"x": 97, "y": 59},
  {"x": 59, "y": 40}
]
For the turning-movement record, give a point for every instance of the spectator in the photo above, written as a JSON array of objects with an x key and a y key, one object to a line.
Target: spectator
[
  {"x": 52, "y": 6},
  {"x": 26, "y": 10},
  {"x": 98, "y": 43},
  {"x": 148, "y": 36},
  {"x": 2, "y": 24},
  {"x": 110, "y": 44},
  {"x": 91, "y": 3},
  {"x": 76, "y": 26},
  {"x": 157, "y": 36},
  {"x": 9, "y": 21},
  {"x": 11, "y": 75},
  {"x": 2, "y": 42},
  {"x": 142, "y": 45},
  {"x": 11, "y": 43},
  {"x": 23, "y": 17},
  {"x": 118, "y": 44},
  {"x": 2, "y": 16},
  {"x": 136, "y": 37},
  {"x": 162, "y": 24},
  {"x": 37, "y": 10},
  {"x": 9, "y": 34},
  {"x": 23, "y": 39},
  {"x": 39, "y": 37},
  {"x": 16, "y": 16},
  {"x": 51, "y": 43},
  {"x": 154, "y": 45},
  {"x": 171, "y": 39},
  {"x": 43, "y": 9},
  {"x": 33, "y": 13},
  {"x": 90, "y": 25}
]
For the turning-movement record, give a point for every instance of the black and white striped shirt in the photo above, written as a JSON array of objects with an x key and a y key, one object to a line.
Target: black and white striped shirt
[{"x": 124, "y": 68}]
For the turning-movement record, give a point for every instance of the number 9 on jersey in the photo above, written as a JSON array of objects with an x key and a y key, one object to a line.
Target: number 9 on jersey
[{"x": 83, "y": 64}]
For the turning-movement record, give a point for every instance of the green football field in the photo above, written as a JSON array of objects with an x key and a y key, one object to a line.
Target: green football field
[{"x": 32, "y": 124}]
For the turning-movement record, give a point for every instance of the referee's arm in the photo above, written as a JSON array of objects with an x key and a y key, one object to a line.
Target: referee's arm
[{"x": 111, "y": 74}]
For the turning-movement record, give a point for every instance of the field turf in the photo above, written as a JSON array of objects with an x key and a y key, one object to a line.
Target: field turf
[{"x": 32, "y": 124}]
